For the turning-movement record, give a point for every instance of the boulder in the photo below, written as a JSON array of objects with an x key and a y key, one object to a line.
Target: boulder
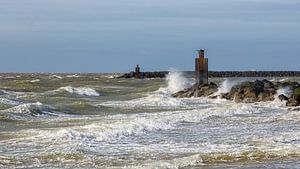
[
  {"x": 250, "y": 92},
  {"x": 283, "y": 97},
  {"x": 294, "y": 100},
  {"x": 247, "y": 92},
  {"x": 203, "y": 90}
]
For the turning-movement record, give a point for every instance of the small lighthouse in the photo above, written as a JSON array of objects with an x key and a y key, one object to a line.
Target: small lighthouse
[
  {"x": 201, "y": 68},
  {"x": 137, "y": 72}
]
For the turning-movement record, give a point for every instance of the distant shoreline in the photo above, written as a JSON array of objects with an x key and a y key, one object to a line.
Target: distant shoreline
[
  {"x": 212, "y": 74},
  {"x": 163, "y": 74}
]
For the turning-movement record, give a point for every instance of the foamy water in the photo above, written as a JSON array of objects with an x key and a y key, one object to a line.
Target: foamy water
[
  {"x": 137, "y": 124},
  {"x": 84, "y": 91}
]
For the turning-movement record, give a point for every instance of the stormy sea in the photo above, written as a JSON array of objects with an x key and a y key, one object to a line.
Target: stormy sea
[{"x": 97, "y": 121}]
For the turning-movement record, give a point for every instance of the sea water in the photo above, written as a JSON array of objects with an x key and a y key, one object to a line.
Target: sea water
[{"x": 96, "y": 121}]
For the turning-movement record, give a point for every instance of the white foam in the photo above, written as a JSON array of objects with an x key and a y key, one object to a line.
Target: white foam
[
  {"x": 284, "y": 79},
  {"x": 175, "y": 163},
  {"x": 176, "y": 81},
  {"x": 73, "y": 76},
  {"x": 28, "y": 111},
  {"x": 112, "y": 76},
  {"x": 106, "y": 135},
  {"x": 84, "y": 91},
  {"x": 9, "y": 102},
  {"x": 158, "y": 100},
  {"x": 287, "y": 91},
  {"x": 35, "y": 80},
  {"x": 55, "y": 77},
  {"x": 120, "y": 126},
  {"x": 162, "y": 97},
  {"x": 227, "y": 84},
  {"x": 3, "y": 92}
]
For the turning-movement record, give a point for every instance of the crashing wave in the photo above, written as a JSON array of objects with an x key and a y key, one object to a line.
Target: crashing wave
[
  {"x": 27, "y": 111},
  {"x": 174, "y": 163},
  {"x": 55, "y": 77},
  {"x": 120, "y": 126},
  {"x": 161, "y": 98},
  {"x": 287, "y": 91},
  {"x": 73, "y": 76},
  {"x": 83, "y": 91},
  {"x": 3, "y": 92},
  {"x": 9, "y": 102},
  {"x": 35, "y": 80},
  {"x": 152, "y": 101},
  {"x": 176, "y": 82},
  {"x": 205, "y": 159},
  {"x": 227, "y": 84}
]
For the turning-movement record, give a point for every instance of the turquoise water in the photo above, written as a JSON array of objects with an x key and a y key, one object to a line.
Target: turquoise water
[{"x": 96, "y": 121}]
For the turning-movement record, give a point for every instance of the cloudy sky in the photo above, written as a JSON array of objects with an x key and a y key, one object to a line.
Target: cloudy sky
[{"x": 114, "y": 35}]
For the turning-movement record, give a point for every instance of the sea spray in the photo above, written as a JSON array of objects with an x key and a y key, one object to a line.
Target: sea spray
[
  {"x": 227, "y": 84},
  {"x": 161, "y": 98},
  {"x": 286, "y": 91},
  {"x": 176, "y": 81},
  {"x": 83, "y": 91},
  {"x": 28, "y": 111}
]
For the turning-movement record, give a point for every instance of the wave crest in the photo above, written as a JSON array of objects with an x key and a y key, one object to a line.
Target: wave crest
[
  {"x": 27, "y": 111},
  {"x": 176, "y": 81},
  {"x": 83, "y": 91}
]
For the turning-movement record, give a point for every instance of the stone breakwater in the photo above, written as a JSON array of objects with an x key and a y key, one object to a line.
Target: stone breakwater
[
  {"x": 143, "y": 75},
  {"x": 254, "y": 73},
  {"x": 163, "y": 74},
  {"x": 247, "y": 92}
]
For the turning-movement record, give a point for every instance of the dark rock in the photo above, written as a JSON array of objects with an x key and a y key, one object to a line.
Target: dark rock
[
  {"x": 247, "y": 92},
  {"x": 250, "y": 92},
  {"x": 144, "y": 75},
  {"x": 294, "y": 100},
  {"x": 283, "y": 97},
  {"x": 197, "y": 91},
  {"x": 223, "y": 74}
]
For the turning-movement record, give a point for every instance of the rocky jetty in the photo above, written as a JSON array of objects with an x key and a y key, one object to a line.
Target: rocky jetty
[
  {"x": 203, "y": 90},
  {"x": 144, "y": 75},
  {"x": 247, "y": 92},
  {"x": 250, "y": 92},
  {"x": 220, "y": 74},
  {"x": 254, "y": 73}
]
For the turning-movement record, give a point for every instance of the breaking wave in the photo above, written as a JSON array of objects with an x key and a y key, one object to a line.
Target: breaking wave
[
  {"x": 152, "y": 101},
  {"x": 176, "y": 81},
  {"x": 199, "y": 160},
  {"x": 3, "y": 92},
  {"x": 9, "y": 102},
  {"x": 35, "y": 80},
  {"x": 227, "y": 84},
  {"x": 27, "y": 111},
  {"x": 73, "y": 76},
  {"x": 55, "y": 77},
  {"x": 287, "y": 91},
  {"x": 119, "y": 126},
  {"x": 83, "y": 91},
  {"x": 161, "y": 98},
  {"x": 174, "y": 163}
]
